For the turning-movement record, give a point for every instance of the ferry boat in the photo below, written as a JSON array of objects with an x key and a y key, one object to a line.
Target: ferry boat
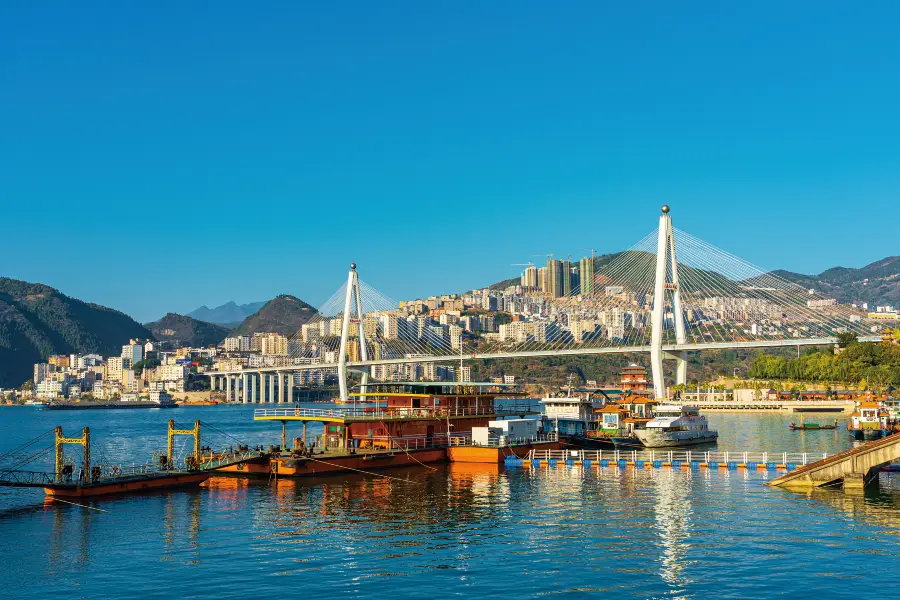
[
  {"x": 870, "y": 420},
  {"x": 675, "y": 425},
  {"x": 410, "y": 423}
]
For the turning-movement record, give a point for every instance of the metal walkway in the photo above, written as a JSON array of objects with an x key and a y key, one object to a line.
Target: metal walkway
[
  {"x": 676, "y": 459},
  {"x": 854, "y": 468}
]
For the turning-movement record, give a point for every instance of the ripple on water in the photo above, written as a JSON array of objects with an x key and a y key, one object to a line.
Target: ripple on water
[{"x": 455, "y": 531}]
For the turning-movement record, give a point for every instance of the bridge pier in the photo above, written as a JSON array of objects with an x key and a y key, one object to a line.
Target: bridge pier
[
  {"x": 228, "y": 388},
  {"x": 859, "y": 481},
  {"x": 244, "y": 387},
  {"x": 254, "y": 399}
]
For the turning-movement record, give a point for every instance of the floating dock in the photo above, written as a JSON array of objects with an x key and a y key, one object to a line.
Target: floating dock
[{"x": 655, "y": 459}]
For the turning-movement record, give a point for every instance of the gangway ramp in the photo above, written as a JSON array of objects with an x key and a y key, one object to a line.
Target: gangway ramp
[{"x": 855, "y": 468}]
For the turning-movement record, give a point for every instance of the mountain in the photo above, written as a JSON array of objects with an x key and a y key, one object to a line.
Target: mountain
[
  {"x": 37, "y": 321},
  {"x": 187, "y": 331},
  {"x": 877, "y": 283},
  {"x": 227, "y": 314},
  {"x": 283, "y": 314}
]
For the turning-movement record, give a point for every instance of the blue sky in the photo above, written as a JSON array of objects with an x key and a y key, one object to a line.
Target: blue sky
[{"x": 155, "y": 158}]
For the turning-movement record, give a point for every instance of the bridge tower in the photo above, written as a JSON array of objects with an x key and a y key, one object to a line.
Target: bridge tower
[
  {"x": 352, "y": 292},
  {"x": 666, "y": 281}
]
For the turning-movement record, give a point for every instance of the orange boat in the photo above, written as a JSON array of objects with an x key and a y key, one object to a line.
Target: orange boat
[
  {"x": 410, "y": 423},
  {"x": 145, "y": 482}
]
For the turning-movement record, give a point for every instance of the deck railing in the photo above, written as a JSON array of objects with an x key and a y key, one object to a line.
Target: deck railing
[
  {"x": 377, "y": 414},
  {"x": 682, "y": 456},
  {"x": 506, "y": 441}
]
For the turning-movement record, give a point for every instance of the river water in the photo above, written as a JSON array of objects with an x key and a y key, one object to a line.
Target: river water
[{"x": 452, "y": 531}]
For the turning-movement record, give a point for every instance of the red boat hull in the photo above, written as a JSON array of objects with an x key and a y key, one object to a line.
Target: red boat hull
[{"x": 128, "y": 486}]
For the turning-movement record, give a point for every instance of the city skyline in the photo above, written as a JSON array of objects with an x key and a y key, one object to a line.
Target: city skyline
[{"x": 173, "y": 149}]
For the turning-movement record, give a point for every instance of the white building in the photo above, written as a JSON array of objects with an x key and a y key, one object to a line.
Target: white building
[
  {"x": 238, "y": 343},
  {"x": 134, "y": 352}
]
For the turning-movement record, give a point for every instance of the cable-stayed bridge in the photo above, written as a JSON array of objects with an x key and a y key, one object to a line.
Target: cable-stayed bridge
[{"x": 669, "y": 294}]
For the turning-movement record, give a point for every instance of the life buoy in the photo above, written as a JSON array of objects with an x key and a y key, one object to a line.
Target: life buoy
[{"x": 296, "y": 412}]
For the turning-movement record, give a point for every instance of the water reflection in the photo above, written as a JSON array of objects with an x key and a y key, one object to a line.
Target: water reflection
[
  {"x": 673, "y": 521},
  {"x": 878, "y": 504}
]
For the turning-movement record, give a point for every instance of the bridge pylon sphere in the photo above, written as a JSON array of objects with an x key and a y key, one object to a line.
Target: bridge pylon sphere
[{"x": 666, "y": 265}]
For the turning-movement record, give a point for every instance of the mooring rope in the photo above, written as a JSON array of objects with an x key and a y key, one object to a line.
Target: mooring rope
[{"x": 364, "y": 472}]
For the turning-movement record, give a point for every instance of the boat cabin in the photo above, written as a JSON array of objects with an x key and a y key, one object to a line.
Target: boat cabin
[
  {"x": 612, "y": 420},
  {"x": 870, "y": 414},
  {"x": 570, "y": 412}
]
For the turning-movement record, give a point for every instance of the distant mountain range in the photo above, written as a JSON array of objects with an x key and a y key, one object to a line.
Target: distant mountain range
[
  {"x": 229, "y": 314},
  {"x": 37, "y": 321},
  {"x": 187, "y": 331},
  {"x": 877, "y": 283},
  {"x": 283, "y": 314}
]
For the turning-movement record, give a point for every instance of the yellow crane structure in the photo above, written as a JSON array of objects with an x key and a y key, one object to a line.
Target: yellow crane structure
[
  {"x": 85, "y": 441},
  {"x": 195, "y": 432}
]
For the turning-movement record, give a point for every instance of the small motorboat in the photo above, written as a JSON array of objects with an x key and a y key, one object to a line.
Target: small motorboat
[{"x": 807, "y": 426}]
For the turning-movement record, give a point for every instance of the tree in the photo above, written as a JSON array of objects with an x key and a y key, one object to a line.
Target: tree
[
  {"x": 878, "y": 377},
  {"x": 845, "y": 339}
]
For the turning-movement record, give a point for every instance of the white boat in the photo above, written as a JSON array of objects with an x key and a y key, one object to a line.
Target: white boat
[{"x": 676, "y": 426}]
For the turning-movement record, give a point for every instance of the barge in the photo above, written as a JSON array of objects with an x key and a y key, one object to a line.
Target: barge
[
  {"x": 69, "y": 480},
  {"x": 107, "y": 405},
  {"x": 402, "y": 424}
]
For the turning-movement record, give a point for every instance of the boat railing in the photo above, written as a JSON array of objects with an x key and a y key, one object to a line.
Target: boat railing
[
  {"x": 99, "y": 473},
  {"x": 683, "y": 456},
  {"x": 10, "y": 477},
  {"x": 222, "y": 459},
  {"x": 372, "y": 413},
  {"x": 507, "y": 441}
]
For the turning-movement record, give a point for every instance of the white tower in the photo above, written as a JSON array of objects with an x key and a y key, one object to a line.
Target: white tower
[
  {"x": 352, "y": 290},
  {"x": 666, "y": 266}
]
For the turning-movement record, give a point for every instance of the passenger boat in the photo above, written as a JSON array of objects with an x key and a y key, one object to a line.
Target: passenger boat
[
  {"x": 410, "y": 423},
  {"x": 808, "y": 426},
  {"x": 675, "y": 425},
  {"x": 870, "y": 420}
]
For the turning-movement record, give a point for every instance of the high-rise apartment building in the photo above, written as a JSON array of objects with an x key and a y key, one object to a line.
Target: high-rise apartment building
[
  {"x": 390, "y": 327},
  {"x": 566, "y": 278},
  {"x": 586, "y": 276},
  {"x": 555, "y": 276},
  {"x": 133, "y": 352},
  {"x": 531, "y": 277}
]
